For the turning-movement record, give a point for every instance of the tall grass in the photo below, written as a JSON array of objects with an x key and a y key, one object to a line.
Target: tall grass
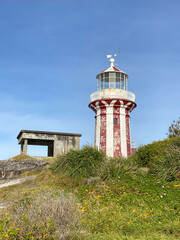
[
  {"x": 116, "y": 167},
  {"x": 47, "y": 216},
  {"x": 82, "y": 163}
]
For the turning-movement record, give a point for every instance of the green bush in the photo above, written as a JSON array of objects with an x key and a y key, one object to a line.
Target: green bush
[
  {"x": 162, "y": 158},
  {"x": 82, "y": 163},
  {"x": 168, "y": 166},
  {"x": 148, "y": 154}
]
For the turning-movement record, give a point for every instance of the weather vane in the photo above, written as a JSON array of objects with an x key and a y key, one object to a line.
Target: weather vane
[{"x": 112, "y": 59}]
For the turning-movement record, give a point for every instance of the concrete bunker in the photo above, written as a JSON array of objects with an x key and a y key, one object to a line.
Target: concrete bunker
[{"x": 57, "y": 142}]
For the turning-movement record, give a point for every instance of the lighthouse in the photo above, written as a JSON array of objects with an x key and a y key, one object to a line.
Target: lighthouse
[{"x": 112, "y": 104}]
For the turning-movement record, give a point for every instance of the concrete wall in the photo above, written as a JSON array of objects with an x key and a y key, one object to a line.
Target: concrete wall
[{"x": 63, "y": 144}]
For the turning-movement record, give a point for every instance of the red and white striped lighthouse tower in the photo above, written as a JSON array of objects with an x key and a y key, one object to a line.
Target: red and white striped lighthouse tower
[{"x": 112, "y": 104}]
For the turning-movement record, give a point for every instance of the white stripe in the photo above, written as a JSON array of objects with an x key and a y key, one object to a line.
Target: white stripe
[
  {"x": 109, "y": 131},
  {"x": 92, "y": 106},
  {"x": 121, "y": 103},
  {"x": 127, "y": 104},
  {"x": 123, "y": 132},
  {"x": 105, "y": 103},
  {"x": 113, "y": 102},
  {"x": 131, "y": 107},
  {"x": 98, "y": 125},
  {"x": 109, "y": 128}
]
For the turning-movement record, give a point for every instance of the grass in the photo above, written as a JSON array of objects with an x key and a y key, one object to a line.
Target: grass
[
  {"x": 80, "y": 163},
  {"x": 44, "y": 180},
  {"x": 125, "y": 204},
  {"x": 47, "y": 215},
  {"x": 129, "y": 208},
  {"x": 23, "y": 156}
]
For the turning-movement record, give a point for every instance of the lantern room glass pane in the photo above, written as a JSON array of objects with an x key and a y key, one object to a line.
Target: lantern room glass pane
[
  {"x": 112, "y": 80},
  {"x": 106, "y": 83},
  {"x": 106, "y": 75},
  {"x": 117, "y": 82},
  {"x": 106, "y": 86},
  {"x": 122, "y": 76},
  {"x": 112, "y": 85},
  {"x": 125, "y": 83},
  {"x": 102, "y": 84},
  {"x": 98, "y": 83},
  {"x": 122, "y": 84}
]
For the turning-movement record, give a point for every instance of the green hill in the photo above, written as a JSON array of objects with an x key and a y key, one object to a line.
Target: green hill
[{"x": 133, "y": 198}]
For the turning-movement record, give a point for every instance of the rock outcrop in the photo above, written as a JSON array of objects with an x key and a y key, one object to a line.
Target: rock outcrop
[{"x": 10, "y": 169}]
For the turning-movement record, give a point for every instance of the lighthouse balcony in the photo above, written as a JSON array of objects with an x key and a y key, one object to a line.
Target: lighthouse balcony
[{"x": 111, "y": 94}]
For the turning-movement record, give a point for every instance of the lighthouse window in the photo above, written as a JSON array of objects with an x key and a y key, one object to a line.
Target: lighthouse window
[
  {"x": 125, "y": 83},
  {"x": 122, "y": 84},
  {"x": 99, "y": 83},
  {"x": 117, "y": 80},
  {"x": 102, "y": 85},
  {"x": 102, "y": 81},
  {"x": 122, "y": 76},
  {"x": 106, "y": 83},
  {"x": 115, "y": 121},
  {"x": 106, "y": 80},
  {"x": 117, "y": 83},
  {"x": 112, "y": 80},
  {"x": 122, "y": 81}
]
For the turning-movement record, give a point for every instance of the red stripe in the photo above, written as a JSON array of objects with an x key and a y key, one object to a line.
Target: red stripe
[
  {"x": 128, "y": 133},
  {"x": 103, "y": 128}
]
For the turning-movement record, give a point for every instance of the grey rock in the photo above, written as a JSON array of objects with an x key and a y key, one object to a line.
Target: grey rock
[
  {"x": 10, "y": 169},
  {"x": 91, "y": 180}
]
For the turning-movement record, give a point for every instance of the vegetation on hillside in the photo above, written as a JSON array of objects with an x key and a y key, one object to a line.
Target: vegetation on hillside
[
  {"x": 21, "y": 156},
  {"x": 126, "y": 203},
  {"x": 82, "y": 163},
  {"x": 174, "y": 129},
  {"x": 162, "y": 158}
]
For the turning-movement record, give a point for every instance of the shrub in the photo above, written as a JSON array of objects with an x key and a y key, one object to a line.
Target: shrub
[
  {"x": 148, "y": 154},
  {"x": 116, "y": 167},
  {"x": 168, "y": 165},
  {"x": 82, "y": 163},
  {"x": 46, "y": 216}
]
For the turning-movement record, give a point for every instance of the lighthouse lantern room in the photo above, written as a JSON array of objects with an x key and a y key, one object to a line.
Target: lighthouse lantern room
[{"x": 112, "y": 104}]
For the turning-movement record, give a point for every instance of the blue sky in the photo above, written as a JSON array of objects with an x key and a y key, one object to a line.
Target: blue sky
[{"x": 52, "y": 50}]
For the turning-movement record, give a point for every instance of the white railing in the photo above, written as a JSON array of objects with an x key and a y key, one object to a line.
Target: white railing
[{"x": 112, "y": 93}]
